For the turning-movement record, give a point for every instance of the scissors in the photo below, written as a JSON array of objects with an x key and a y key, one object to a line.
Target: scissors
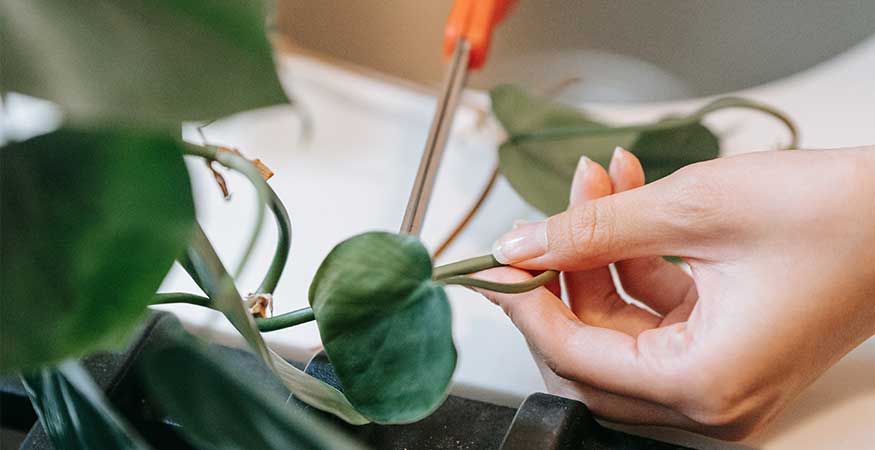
[{"x": 466, "y": 43}]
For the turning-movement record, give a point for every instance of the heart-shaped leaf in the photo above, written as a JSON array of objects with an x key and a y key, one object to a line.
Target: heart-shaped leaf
[
  {"x": 220, "y": 409},
  {"x": 91, "y": 224},
  {"x": 541, "y": 169},
  {"x": 144, "y": 63},
  {"x": 385, "y": 326},
  {"x": 74, "y": 412}
]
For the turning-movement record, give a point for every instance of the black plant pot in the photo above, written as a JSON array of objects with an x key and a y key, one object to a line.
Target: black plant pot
[{"x": 542, "y": 422}]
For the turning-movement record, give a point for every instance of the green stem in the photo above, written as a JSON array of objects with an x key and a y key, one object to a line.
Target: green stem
[
  {"x": 240, "y": 164},
  {"x": 286, "y": 320},
  {"x": 506, "y": 288},
  {"x": 181, "y": 297},
  {"x": 283, "y": 245},
  {"x": 267, "y": 196},
  {"x": 456, "y": 273},
  {"x": 465, "y": 266},
  {"x": 449, "y": 274},
  {"x": 557, "y": 133},
  {"x": 265, "y": 325}
]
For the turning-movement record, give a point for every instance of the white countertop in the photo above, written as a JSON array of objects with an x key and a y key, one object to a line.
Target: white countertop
[{"x": 355, "y": 172}]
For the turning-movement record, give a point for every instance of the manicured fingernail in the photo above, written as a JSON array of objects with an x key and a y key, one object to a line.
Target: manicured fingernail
[
  {"x": 617, "y": 160},
  {"x": 578, "y": 179},
  {"x": 519, "y": 222},
  {"x": 524, "y": 242}
]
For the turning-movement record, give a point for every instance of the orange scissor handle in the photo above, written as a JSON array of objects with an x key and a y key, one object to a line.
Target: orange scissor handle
[{"x": 473, "y": 20}]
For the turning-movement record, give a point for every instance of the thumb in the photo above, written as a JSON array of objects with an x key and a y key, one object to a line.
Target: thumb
[{"x": 661, "y": 218}]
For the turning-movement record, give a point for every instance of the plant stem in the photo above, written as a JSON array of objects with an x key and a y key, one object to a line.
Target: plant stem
[
  {"x": 181, "y": 297},
  {"x": 267, "y": 196},
  {"x": 283, "y": 245},
  {"x": 506, "y": 288},
  {"x": 470, "y": 214},
  {"x": 718, "y": 104},
  {"x": 233, "y": 161},
  {"x": 265, "y": 325},
  {"x": 286, "y": 320},
  {"x": 465, "y": 266},
  {"x": 456, "y": 273},
  {"x": 449, "y": 274}
]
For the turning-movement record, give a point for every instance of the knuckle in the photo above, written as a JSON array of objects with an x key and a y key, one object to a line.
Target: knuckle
[
  {"x": 591, "y": 228},
  {"x": 697, "y": 197}
]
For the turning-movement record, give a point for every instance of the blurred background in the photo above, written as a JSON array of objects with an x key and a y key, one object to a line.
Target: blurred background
[{"x": 600, "y": 50}]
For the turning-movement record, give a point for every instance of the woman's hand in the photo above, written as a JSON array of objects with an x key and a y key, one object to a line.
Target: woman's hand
[{"x": 781, "y": 246}]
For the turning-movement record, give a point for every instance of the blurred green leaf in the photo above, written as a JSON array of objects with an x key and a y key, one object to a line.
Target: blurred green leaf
[
  {"x": 662, "y": 152},
  {"x": 219, "y": 286},
  {"x": 222, "y": 410},
  {"x": 541, "y": 170},
  {"x": 385, "y": 325},
  {"x": 519, "y": 112},
  {"x": 74, "y": 412},
  {"x": 91, "y": 224},
  {"x": 142, "y": 63}
]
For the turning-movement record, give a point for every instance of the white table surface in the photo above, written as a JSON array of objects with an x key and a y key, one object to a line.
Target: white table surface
[{"x": 355, "y": 171}]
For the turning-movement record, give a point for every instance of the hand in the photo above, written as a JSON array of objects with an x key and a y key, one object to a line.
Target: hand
[{"x": 781, "y": 247}]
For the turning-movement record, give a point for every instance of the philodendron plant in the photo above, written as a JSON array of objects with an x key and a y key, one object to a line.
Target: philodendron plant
[{"x": 95, "y": 213}]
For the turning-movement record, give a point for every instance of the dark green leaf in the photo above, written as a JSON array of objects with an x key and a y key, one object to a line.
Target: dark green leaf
[
  {"x": 385, "y": 326},
  {"x": 541, "y": 170},
  {"x": 91, "y": 225},
  {"x": 143, "y": 63},
  {"x": 662, "y": 152},
  {"x": 74, "y": 412},
  {"x": 222, "y": 410}
]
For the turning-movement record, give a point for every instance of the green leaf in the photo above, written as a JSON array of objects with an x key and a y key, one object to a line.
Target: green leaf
[
  {"x": 222, "y": 410},
  {"x": 74, "y": 412},
  {"x": 662, "y": 152},
  {"x": 519, "y": 112},
  {"x": 142, "y": 63},
  {"x": 385, "y": 326},
  {"x": 541, "y": 171},
  {"x": 91, "y": 224},
  {"x": 219, "y": 286},
  {"x": 540, "y": 168}
]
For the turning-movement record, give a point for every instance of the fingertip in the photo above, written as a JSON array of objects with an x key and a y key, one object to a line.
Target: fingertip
[
  {"x": 590, "y": 181},
  {"x": 625, "y": 170}
]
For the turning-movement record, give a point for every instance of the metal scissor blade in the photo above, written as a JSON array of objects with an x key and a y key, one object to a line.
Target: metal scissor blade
[{"x": 451, "y": 90}]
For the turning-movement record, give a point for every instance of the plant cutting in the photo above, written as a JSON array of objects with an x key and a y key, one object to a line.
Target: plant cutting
[{"x": 96, "y": 212}]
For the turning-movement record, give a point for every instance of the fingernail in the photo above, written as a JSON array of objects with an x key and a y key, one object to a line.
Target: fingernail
[
  {"x": 519, "y": 222},
  {"x": 616, "y": 158},
  {"x": 579, "y": 176},
  {"x": 524, "y": 242}
]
